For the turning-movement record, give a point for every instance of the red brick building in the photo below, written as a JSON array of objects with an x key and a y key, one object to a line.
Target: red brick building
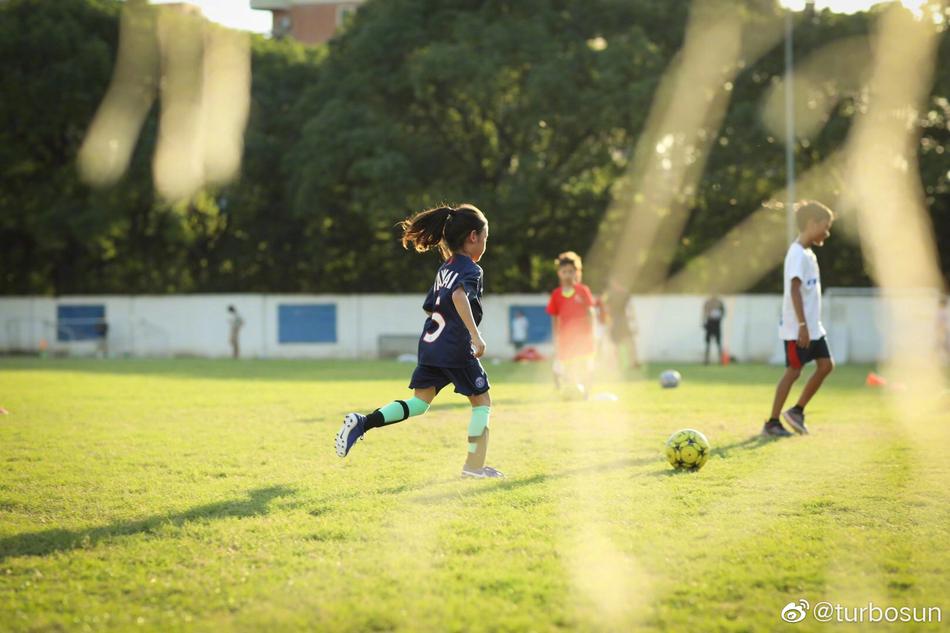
[{"x": 308, "y": 21}]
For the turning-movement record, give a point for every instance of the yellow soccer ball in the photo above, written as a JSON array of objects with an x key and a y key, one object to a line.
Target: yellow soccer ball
[{"x": 687, "y": 449}]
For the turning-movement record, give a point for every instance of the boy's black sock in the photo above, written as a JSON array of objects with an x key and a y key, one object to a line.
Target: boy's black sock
[{"x": 798, "y": 408}]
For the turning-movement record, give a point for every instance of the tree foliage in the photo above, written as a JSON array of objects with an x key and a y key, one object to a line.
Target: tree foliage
[{"x": 528, "y": 108}]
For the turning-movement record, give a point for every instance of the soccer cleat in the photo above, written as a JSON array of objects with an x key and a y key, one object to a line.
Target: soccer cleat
[
  {"x": 774, "y": 428},
  {"x": 354, "y": 426},
  {"x": 485, "y": 472},
  {"x": 796, "y": 420}
]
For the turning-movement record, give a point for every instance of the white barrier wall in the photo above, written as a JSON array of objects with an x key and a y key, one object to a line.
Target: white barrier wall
[{"x": 667, "y": 327}]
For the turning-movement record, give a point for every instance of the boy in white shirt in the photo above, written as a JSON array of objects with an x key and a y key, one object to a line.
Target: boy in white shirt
[{"x": 800, "y": 327}]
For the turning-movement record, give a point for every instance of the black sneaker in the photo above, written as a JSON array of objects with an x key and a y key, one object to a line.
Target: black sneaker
[
  {"x": 486, "y": 472},
  {"x": 774, "y": 428},
  {"x": 796, "y": 419}
]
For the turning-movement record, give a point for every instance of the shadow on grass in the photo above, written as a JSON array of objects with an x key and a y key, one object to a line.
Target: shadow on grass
[
  {"x": 756, "y": 441},
  {"x": 750, "y": 443},
  {"x": 326, "y": 506},
  {"x": 56, "y": 540},
  {"x": 514, "y": 484}
]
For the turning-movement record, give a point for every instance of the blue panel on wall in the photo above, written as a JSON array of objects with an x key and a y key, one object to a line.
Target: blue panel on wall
[
  {"x": 306, "y": 323},
  {"x": 80, "y": 322},
  {"x": 539, "y": 323}
]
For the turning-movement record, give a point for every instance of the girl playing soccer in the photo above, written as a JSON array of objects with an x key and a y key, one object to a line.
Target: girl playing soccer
[{"x": 451, "y": 344}]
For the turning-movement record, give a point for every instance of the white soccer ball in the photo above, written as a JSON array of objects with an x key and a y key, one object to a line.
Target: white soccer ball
[
  {"x": 670, "y": 378},
  {"x": 571, "y": 392}
]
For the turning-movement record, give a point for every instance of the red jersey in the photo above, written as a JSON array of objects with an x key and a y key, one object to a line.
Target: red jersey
[{"x": 574, "y": 326}]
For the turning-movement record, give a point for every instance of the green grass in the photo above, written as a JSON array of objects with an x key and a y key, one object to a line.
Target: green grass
[{"x": 205, "y": 495}]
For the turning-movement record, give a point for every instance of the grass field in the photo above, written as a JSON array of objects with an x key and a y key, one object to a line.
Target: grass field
[{"x": 206, "y": 496}]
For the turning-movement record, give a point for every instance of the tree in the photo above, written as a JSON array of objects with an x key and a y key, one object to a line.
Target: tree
[
  {"x": 524, "y": 108},
  {"x": 61, "y": 236},
  {"x": 56, "y": 59},
  {"x": 529, "y": 109}
]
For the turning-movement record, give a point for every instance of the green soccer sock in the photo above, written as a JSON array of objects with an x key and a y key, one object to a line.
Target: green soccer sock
[
  {"x": 396, "y": 411},
  {"x": 478, "y": 437}
]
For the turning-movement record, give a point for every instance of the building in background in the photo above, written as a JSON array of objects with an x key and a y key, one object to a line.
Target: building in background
[{"x": 307, "y": 21}]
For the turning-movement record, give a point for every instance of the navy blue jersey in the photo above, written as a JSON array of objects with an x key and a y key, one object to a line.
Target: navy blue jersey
[{"x": 445, "y": 341}]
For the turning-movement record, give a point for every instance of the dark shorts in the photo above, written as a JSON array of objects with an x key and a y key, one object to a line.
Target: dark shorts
[
  {"x": 713, "y": 330},
  {"x": 797, "y": 357},
  {"x": 470, "y": 380}
]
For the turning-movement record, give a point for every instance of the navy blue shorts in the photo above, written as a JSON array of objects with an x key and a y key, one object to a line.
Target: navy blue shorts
[
  {"x": 798, "y": 357},
  {"x": 470, "y": 380}
]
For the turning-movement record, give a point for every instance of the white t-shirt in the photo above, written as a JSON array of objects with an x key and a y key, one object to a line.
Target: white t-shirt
[
  {"x": 519, "y": 329},
  {"x": 801, "y": 262}
]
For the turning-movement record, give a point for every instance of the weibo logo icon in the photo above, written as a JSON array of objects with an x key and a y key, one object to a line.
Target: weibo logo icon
[{"x": 795, "y": 611}]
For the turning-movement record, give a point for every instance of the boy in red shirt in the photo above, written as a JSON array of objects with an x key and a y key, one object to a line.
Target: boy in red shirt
[{"x": 571, "y": 308}]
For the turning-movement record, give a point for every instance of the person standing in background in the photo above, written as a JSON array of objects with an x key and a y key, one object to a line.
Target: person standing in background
[
  {"x": 616, "y": 303},
  {"x": 713, "y": 313},
  {"x": 519, "y": 330},
  {"x": 235, "y": 323},
  {"x": 102, "y": 332}
]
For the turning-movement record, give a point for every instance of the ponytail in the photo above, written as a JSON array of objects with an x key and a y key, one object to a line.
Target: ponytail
[{"x": 445, "y": 228}]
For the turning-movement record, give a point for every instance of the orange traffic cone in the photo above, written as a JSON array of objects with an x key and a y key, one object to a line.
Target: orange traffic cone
[
  {"x": 873, "y": 380},
  {"x": 725, "y": 358}
]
